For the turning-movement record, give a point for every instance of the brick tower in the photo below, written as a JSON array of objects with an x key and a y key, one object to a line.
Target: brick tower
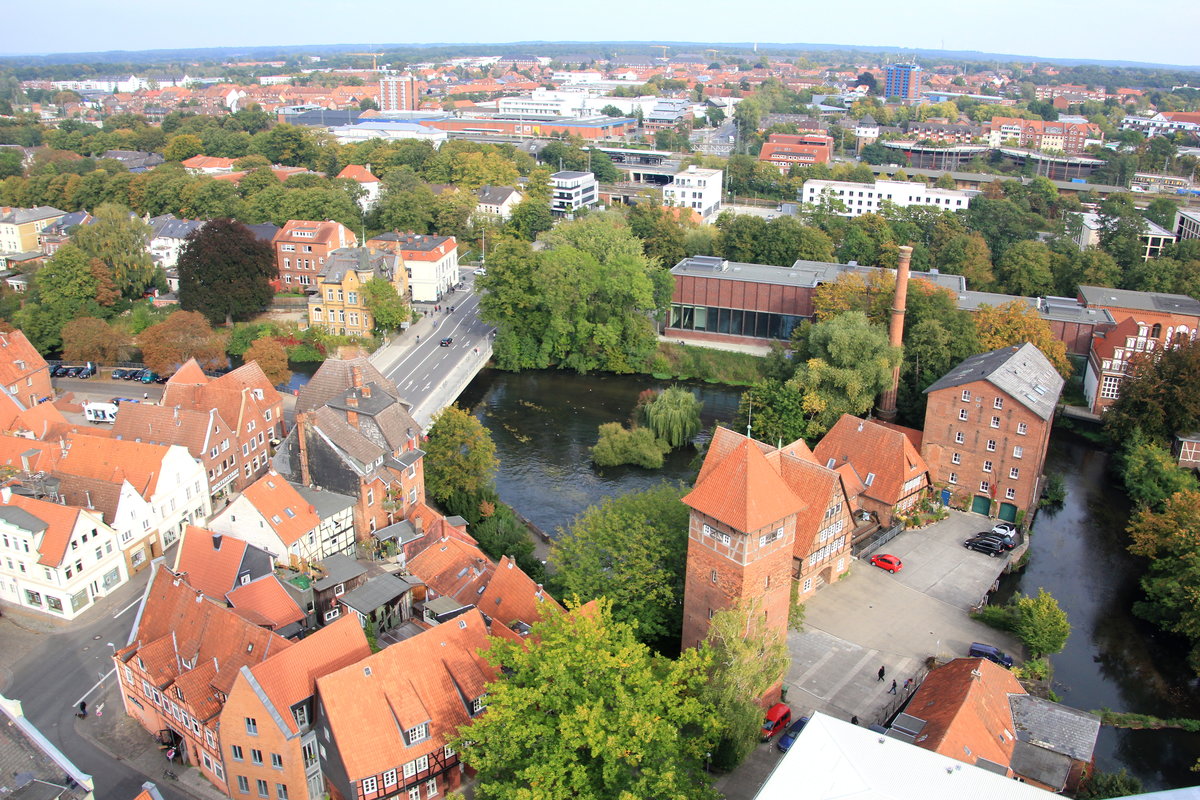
[{"x": 740, "y": 535}]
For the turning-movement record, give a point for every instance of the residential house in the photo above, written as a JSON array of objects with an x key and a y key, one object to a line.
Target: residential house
[
  {"x": 987, "y": 427},
  {"x": 216, "y": 563},
  {"x": 20, "y": 227},
  {"x": 382, "y": 602},
  {"x": 885, "y": 460},
  {"x": 355, "y": 436},
  {"x": 276, "y": 753},
  {"x": 760, "y": 518},
  {"x": 696, "y": 188},
  {"x": 1051, "y": 136},
  {"x": 209, "y": 165},
  {"x": 571, "y": 191},
  {"x": 180, "y": 665},
  {"x": 785, "y": 150},
  {"x": 265, "y": 602},
  {"x": 334, "y": 577},
  {"x": 54, "y": 558},
  {"x": 58, "y": 233},
  {"x": 366, "y": 181},
  {"x": 337, "y": 303},
  {"x": 1154, "y": 237},
  {"x": 33, "y": 766},
  {"x": 292, "y": 522},
  {"x": 977, "y": 712},
  {"x": 497, "y": 202},
  {"x": 149, "y": 493},
  {"x": 251, "y": 410},
  {"x": 205, "y": 434},
  {"x": 24, "y": 374},
  {"x": 169, "y": 235},
  {"x": 301, "y": 247},
  {"x": 430, "y": 262},
  {"x": 386, "y": 723}
]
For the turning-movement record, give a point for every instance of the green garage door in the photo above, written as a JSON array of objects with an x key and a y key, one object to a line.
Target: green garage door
[
  {"x": 981, "y": 504},
  {"x": 1008, "y": 512}
]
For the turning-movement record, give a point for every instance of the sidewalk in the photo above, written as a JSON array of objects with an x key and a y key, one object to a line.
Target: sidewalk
[{"x": 122, "y": 739}]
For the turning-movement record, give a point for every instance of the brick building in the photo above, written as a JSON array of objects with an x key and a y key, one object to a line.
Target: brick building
[
  {"x": 1056, "y": 136},
  {"x": 987, "y": 426},
  {"x": 24, "y": 374},
  {"x": 301, "y": 247},
  {"x": 760, "y": 518},
  {"x": 785, "y": 150}
]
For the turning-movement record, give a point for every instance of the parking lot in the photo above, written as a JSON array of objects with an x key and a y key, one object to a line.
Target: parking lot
[{"x": 872, "y": 618}]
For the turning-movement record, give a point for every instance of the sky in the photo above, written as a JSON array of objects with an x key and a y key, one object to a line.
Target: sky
[{"x": 1162, "y": 31}]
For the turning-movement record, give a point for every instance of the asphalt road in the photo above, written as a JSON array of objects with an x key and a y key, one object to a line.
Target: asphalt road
[
  {"x": 425, "y": 364},
  {"x": 57, "y": 669}
]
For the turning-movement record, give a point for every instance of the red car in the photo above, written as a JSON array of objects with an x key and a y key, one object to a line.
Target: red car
[
  {"x": 778, "y": 718},
  {"x": 890, "y": 563}
]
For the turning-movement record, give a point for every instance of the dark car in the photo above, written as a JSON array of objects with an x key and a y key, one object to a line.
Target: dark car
[
  {"x": 449, "y": 340},
  {"x": 134, "y": 374},
  {"x": 993, "y": 654},
  {"x": 778, "y": 717},
  {"x": 71, "y": 372},
  {"x": 85, "y": 372},
  {"x": 990, "y": 546},
  {"x": 1005, "y": 542},
  {"x": 118, "y": 374},
  {"x": 891, "y": 563},
  {"x": 789, "y": 736}
]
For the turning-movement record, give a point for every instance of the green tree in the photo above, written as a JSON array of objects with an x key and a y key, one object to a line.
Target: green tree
[
  {"x": 674, "y": 416},
  {"x": 1001, "y": 222},
  {"x": 387, "y": 307},
  {"x": 1016, "y": 322},
  {"x": 1150, "y": 474},
  {"x": 1103, "y": 785},
  {"x": 1161, "y": 211},
  {"x": 968, "y": 255},
  {"x": 619, "y": 445},
  {"x": 786, "y": 239},
  {"x": 635, "y": 541},
  {"x": 581, "y": 709},
  {"x": 1170, "y": 538},
  {"x": 663, "y": 235},
  {"x": 122, "y": 242},
  {"x": 1042, "y": 625},
  {"x": 289, "y": 145},
  {"x": 460, "y": 455},
  {"x": 501, "y": 534},
  {"x": 225, "y": 272},
  {"x": 1121, "y": 229},
  {"x": 183, "y": 147},
  {"x": 1157, "y": 396},
  {"x": 530, "y": 217},
  {"x": 63, "y": 290},
  {"x": 1024, "y": 269},
  {"x": 748, "y": 658}
]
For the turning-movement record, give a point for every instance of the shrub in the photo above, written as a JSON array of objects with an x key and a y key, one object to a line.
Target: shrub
[
  {"x": 619, "y": 445},
  {"x": 1002, "y": 618}
]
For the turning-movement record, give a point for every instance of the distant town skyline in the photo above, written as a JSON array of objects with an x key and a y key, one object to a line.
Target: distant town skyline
[{"x": 1029, "y": 28}]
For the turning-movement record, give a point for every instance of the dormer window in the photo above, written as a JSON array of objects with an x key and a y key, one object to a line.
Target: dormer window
[{"x": 418, "y": 733}]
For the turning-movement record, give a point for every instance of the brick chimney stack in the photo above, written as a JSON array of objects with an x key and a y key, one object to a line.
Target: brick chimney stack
[
  {"x": 351, "y": 414},
  {"x": 887, "y": 401}
]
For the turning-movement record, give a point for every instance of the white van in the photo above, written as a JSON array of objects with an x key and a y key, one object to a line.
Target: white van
[{"x": 100, "y": 412}]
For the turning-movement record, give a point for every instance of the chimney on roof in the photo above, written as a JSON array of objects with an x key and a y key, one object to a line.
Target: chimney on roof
[
  {"x": 352, "y": 400},
  {"x": 356, "y": 377},
  {"x": 6, "y": 494},
  {"x": 366, "y": 392},
  {"x": 217, "y": 541},
  {"x": 887, "y": 401},
  {"x": 87, "y": 493}
]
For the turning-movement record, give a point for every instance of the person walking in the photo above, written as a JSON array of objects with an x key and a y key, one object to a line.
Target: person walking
[
  {"x": 854, "y": 720},
  {"x": 882, "y": 671},
  {"x": 893, "y": 689},
  {"x": 907, "y": 684},
  {"x": 82, "y": 709}
]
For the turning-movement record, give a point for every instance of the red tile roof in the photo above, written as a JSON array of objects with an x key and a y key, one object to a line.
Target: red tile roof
[
  {"x": 430, "y": 678},
  {"x": 208, "y": 162},
  {"x": 287, "y": 513},
  {"x": 291, "y": 676},
  {"x": 454, "y": 568},
  {"x": 882, "y": 456},
  {"x": 114, "y": 461},
  {"x": 358, "y": 173},
  {"x": 742, "y": 489},
  {"x": 211, "y": 569},
  {"x": 966, "y": 711},
  {"x": 59, "y": 521},
  {"x": 265, "y": 602},
  {"x": 512, "y": 596},
  {"x": 18, "y": 358}
]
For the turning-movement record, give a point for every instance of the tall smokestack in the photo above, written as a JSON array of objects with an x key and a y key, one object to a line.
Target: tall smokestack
[{"x": 887, "y": 401}]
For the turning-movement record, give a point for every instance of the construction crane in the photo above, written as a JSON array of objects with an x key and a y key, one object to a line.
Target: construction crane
[
  {"x": 374, "y": 57},
  {"x": 662, "y": 47}
]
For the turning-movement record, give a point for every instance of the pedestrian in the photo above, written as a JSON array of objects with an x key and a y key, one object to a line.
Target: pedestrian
[
  {"x": 907, "y": 684},
  {"x": 418, "y": 338},
  {"x": 82, "y": 709},
  {"x": 854, "y": 720},
  {"x": 881, "y": 673},
  {"x": 893, "y": 689}
]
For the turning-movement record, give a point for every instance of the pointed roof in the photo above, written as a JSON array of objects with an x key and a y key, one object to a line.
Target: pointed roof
[
  {"x": 114, "y": 461},
  {"x": 743, "y": 490},
  {"x": 189, "y": 373},
  {"x": 883, "y": 458},
  {"x": 210, "y": 561},
  {"x": 288, "y": 514},
  {"x": 357, "y": 172},
  {"x": 265, "y": 602},
  {"x": 54, "y": 522},
  {"x": 964, "y": 705}
]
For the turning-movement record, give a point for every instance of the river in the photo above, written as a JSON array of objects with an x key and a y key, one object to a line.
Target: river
[{"x": 544, "y": 422}]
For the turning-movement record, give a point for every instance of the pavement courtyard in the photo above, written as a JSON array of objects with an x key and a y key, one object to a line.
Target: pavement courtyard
[{"x": 872, "y": 618}]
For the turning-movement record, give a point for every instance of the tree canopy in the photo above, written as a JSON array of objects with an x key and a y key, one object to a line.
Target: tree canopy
[
  {"x": 121, "y": 242},
  {"x": 167, "y": 345},
  {"x": 460, "y": 455},
  {"x": 225, "y": 272},
  {"x": 1017, "y": 322},
  {"x": 1158, "y": 396}
]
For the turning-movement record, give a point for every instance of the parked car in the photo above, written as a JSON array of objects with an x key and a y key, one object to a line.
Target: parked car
[
  {"x": 449, "y": 340},
  {"x": 162, "y": 378},
  {"x": 85, "y": 372},
  {"x": 118, "y": 373},
  {"x": 134, "y": 374},
  {"x": 778, "y": 717},
  {"x": 1005, "y": 529},
  {"x": 889, "y": 562},
  {"x": 789, "y": 736},
  {"x": 993, "y": 654},
  {"x": 57, "y": 370},
  {"x": 116, "y": 401},
  {"x": 71, "y": 372},
  {"x": 148, "y": 376},
  {"x": 990, "y": 546},
  {"x": 1005, "y": 542}
]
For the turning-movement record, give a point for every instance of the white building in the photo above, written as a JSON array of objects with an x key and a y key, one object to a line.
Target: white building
[
  {"x": 170, "y": 234},
  {"x": 387, "y": 129},
  {"x": 1154, "y": 237},
  {"x": 290, "y": 521},
  {"x": 571, "y": 191},
  {"x": 148, "y": 492},
  {"x": 868, "y": 198},
  {"x": 497, "y": 202},
  {"x": 430, "y": 261},
  {"x": 696, "y": 188},
  {"x": 547, "y": 103},
  {"x": 54, "y": 558},
  {"x": 1187, "y": 224}
]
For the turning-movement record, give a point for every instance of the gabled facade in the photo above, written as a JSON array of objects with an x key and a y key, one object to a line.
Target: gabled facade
[
  {"x": 279, "y": 748},
  {"x": 54, "y": 558},
  {"x": 430, "y": 262},
  {"x": 385, "y": 723},
  {"x": 301, "y": 247},
  {"x": 497, "y": 202},
  {"x": 337, "y": 303},
  {"x": 215, "y": 563},
  {"x": 24, "y": 374},
  {"x": 19, "y": 227},
  {"x": 987, "y": 427},
  {"x": 293, "y": 523},
  {"x": 205, "y": 434},
  {"x": 366, "y": 181},
  {"x": 180, "y": 664},
  {"x": 760, "y": 518}
]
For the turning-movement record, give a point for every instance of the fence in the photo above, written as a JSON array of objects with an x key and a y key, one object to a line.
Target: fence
[
  {"x": 876, "y": 540},
  {"x": 884, "y": 715}
]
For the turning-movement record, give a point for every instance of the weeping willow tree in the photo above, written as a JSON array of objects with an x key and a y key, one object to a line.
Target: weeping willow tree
[{"x": 674, "y": 416}]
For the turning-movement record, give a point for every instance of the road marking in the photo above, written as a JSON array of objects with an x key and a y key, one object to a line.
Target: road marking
[
  {"x": 126, "y": 608},
  {"x": 96, "y": 684}
]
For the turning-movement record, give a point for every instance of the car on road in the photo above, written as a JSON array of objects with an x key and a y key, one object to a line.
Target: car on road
[
  {"x": 1005, "y": 529},
  {"x": 449, "y": 340},
  {"x": 481, "y": 271},
  {"x": 789, "y": 736},
  {"x": 991, "y": 547},
  {"x": 888, "y": 562},
  {"x": 778, "y": 717},
  {"x": 993, "y": 654}
]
